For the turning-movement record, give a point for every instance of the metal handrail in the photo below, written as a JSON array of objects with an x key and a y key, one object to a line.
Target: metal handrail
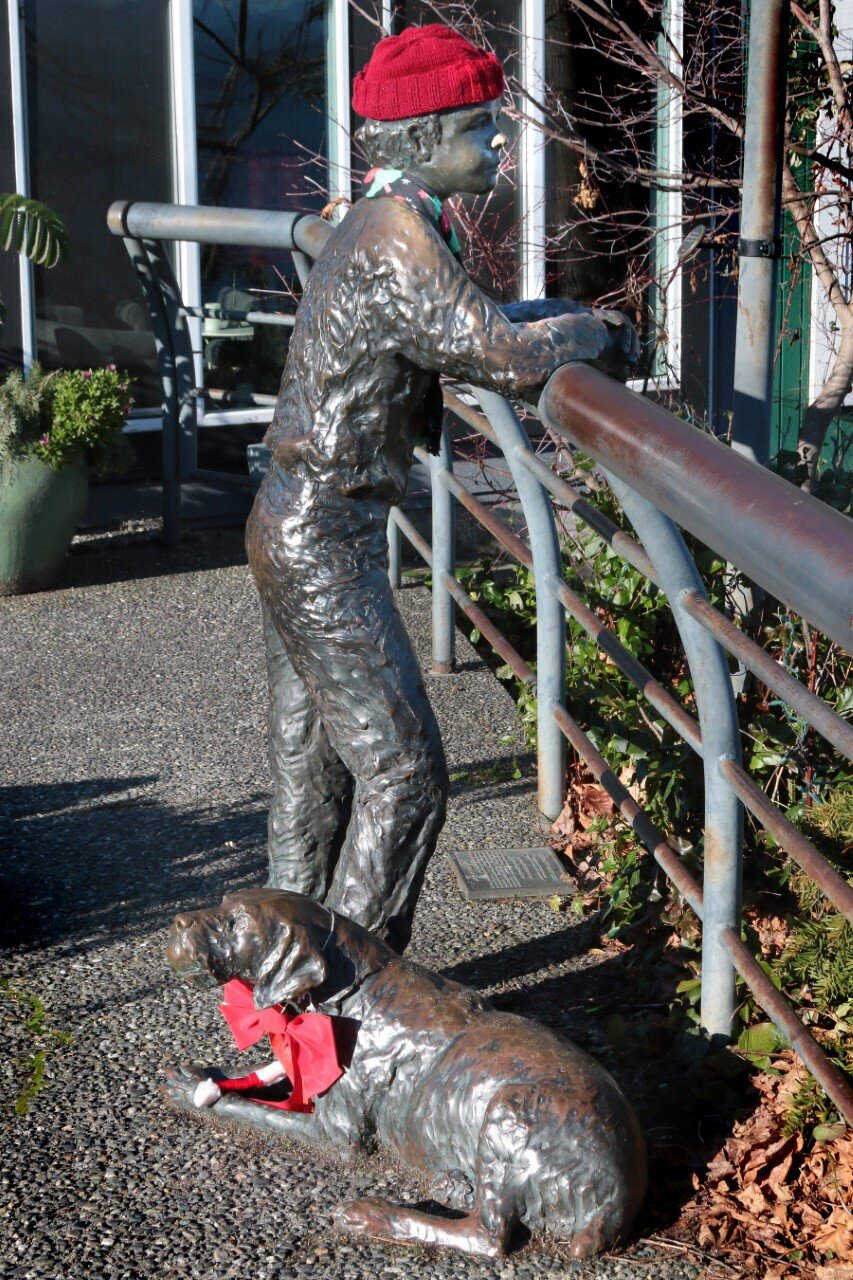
[
  {"x": 146, "y": 228},
  {"x": 665, "y": 560},
  {"x": 787, "y": 541},
  {"x": 208, "y": 224}
]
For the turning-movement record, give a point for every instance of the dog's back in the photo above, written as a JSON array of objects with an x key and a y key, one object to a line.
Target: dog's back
[{"x": 519, "y": 1112}]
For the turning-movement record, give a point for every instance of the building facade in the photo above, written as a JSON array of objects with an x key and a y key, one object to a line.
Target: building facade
[{"x": 245, "y": 103}]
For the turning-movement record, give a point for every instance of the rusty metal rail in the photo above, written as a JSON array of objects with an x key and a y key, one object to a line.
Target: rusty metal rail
[
  {"x": 797, "y": 548},
  {"x": 664, "y": 471}
]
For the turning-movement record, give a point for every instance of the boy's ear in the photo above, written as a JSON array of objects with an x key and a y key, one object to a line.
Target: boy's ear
[
  {"x": 293, "y": 968},
  {"x": 423, "y": 143}
]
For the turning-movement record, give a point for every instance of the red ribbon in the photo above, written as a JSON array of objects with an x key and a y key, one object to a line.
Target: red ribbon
[{"x": 303, "y": 1043}]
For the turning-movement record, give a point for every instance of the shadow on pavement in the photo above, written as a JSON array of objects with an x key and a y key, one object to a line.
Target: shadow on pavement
[
  {"x": 99, "y": 561},
  {"x": 96, "y": 859},
  {"x": 95, "y": 862}
]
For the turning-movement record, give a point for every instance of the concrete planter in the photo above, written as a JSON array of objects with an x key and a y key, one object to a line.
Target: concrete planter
[{"x": 39, "y": 510}]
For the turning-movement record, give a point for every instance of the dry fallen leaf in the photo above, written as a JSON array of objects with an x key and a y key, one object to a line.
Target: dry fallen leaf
[
  {"x": 592, "y": 802},
  {"x": 782, "y": 1212},
  {"x": 772, "y": 932},
  {"x": 836, "y": 1237}
]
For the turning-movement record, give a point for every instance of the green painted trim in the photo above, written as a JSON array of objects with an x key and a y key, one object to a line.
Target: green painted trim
[{"x": 791, "y": 371}]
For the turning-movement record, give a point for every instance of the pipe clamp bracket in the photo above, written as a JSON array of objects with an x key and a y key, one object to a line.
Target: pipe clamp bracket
[{"x": 760, "y": 248}]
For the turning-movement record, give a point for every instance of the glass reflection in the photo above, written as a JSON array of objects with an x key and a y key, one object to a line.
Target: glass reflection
[
  {"x": 261, "y": 120},
  {"x": 97, "y": 88}
]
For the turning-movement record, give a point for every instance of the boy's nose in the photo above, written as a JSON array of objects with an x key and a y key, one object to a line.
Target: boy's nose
[{"x": 498, "y": 141}]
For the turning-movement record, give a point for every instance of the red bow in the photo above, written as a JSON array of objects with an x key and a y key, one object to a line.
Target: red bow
[{"x": 304, "y": 1044}]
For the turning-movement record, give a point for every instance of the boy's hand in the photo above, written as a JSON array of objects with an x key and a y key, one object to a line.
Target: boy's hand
[
  {"x": 604, "y": 338},
  {"x": 620, "y": 357}
]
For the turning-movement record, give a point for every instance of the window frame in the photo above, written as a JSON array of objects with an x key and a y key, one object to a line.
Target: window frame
[
  {"x": 667, "y": 209},
  {"x": 20, "y": 145},
  {"x": 667, "y": 205}
]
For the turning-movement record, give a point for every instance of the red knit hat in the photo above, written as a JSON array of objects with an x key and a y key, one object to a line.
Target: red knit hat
[{"x": 425, "y": 69}]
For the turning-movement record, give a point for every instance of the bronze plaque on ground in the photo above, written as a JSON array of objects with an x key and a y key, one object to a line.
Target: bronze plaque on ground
[{"x": 510, "y": 873}]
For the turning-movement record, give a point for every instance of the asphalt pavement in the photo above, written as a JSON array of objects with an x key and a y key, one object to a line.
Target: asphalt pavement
[{"x": 134, "y": 784}]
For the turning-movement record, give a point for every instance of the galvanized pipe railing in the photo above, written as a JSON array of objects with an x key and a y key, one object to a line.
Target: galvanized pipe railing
[
  {"x": 680, "y": 451},
  {"x": 145, "y": 228},
  {"x": 206, "y": 224}
]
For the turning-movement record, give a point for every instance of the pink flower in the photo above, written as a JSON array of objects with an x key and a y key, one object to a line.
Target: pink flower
[
  {"x": 111, "y": 368},
  {"x": 126, "y": 408},
  {"x": 87, "y": 373},
  {"x": 44, "y": 442}
]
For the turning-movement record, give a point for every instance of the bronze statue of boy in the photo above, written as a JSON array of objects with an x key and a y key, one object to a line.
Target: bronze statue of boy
[{"x": 360, "y": 782}]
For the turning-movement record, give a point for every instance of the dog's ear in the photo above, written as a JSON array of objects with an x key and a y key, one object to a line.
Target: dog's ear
[{"x": 293, "y": 969}]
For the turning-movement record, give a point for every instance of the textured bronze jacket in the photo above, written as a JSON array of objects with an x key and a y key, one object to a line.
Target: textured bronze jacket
[{"x": 388, "y": 308}]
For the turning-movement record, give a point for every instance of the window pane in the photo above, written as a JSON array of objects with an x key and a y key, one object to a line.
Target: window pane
[
  {"x": 97, "y": 86},
  {"x": 261, "y": 117},
  {"x": 490, "y": 226}
]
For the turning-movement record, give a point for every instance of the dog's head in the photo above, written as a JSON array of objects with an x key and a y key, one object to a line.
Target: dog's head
[
  {"x": 273, "y": 940},
  {"x": 288, "y": 947}
]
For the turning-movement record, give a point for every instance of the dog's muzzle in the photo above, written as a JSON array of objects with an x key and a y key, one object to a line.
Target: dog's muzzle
[{"x": 182, "y": 952}]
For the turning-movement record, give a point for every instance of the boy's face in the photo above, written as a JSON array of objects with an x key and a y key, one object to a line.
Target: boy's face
[{"x": 466, "y": 159}]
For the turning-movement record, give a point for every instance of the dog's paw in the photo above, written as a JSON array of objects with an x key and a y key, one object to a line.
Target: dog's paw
[
  {"x": 181, "y": 1083},
  {"x": 206, "y": 1093},
  {"x": 364, "y": 1217},
  {"x": 453, "y": 1189}
]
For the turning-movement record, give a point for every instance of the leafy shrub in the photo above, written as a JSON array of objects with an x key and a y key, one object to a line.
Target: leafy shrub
[{"x": 57, "y": 416}]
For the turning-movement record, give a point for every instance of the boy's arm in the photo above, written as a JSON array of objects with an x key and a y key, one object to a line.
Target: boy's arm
[
  {"x": 540, "y": 309},
  {"x": 426, "y": 308}
]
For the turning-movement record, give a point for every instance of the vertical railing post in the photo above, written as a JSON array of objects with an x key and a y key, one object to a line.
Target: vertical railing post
[
  {"x": 550, "y": 615},
  {"x": 395, "y": 552},
  {"x": 184, "y": 360},
  {"x": 303, "y": 265},
  {"x": 164, "y": 344},
  {"x": 718, "y": 722},
  {"x": 443, "y": 561}
]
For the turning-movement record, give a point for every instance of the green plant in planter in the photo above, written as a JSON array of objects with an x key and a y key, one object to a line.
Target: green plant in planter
[
  {"x": 88, "y": 411},
  {"x": 59, "y": 417},
  {"x": 53, "y": 427}
]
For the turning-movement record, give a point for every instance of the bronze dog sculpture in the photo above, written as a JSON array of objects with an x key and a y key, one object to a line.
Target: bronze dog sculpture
[{"x": 514, "y": 1122}]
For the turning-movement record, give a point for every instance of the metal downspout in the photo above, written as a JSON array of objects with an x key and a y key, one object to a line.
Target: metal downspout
[{"x": 760, "y": 229}]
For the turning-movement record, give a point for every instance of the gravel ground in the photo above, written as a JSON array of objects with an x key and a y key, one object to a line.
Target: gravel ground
[{"x": 135, "y": 784}]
